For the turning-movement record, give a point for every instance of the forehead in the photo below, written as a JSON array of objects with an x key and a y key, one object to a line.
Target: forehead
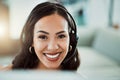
[{"x": 52, "y": 22}]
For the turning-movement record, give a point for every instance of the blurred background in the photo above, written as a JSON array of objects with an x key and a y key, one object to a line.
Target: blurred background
[{"x": 90, "y": 16}]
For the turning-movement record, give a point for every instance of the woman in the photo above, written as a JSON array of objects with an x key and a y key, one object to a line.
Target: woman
[{"x": 48, "y": 40}]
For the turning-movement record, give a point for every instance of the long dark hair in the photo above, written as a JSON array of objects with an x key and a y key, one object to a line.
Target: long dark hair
[{"x": 27, "y": 60}]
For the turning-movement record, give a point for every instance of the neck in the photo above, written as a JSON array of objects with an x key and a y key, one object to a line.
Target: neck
[{"x": 42, "y": 67}]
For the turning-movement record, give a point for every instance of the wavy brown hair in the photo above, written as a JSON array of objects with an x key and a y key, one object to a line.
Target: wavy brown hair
[{"x": 27, "y": 60}]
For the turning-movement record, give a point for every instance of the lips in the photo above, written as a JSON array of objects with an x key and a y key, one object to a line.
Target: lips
[{"x": 52, "y": 57}]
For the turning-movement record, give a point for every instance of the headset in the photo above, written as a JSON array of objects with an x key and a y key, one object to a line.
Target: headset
[{"x": 73, "y": 37}]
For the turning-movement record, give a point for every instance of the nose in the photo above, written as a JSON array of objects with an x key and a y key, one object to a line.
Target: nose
[{"x": 52, "y": 45}]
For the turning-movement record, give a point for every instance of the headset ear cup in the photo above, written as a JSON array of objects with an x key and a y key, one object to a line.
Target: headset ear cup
[
  {"x": 73, "y": 39},
  {"x": 72, "y": 53}
]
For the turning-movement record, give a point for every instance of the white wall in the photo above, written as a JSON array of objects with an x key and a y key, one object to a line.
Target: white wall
[
  {"x": 97, "y": 12},
  {"x": 116, "y": 14},
  {"x": 19, "y": 11}
]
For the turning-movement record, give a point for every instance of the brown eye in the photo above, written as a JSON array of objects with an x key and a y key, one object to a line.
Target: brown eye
[
  {"x": 43, "y": 37},
  {"x": 62, "y": 36}
]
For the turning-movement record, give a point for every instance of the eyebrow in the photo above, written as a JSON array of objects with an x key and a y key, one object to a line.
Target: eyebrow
[
  {"x": 42, "y": 32},
  {"x": 48, "y": 33},
  {"x": 60, "y": 32}
]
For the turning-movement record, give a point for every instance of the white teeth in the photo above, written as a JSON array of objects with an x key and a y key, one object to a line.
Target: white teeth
[{"x": 52, "y": 56}]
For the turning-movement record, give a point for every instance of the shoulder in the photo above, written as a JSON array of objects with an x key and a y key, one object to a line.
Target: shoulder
[{"x": 5, "y": 68}]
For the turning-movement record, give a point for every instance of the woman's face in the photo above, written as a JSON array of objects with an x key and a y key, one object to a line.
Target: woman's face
[{"x": 51, "y": 41}]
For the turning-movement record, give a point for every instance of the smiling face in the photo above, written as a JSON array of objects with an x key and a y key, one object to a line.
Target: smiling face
[{"x": 51, "y": 41}]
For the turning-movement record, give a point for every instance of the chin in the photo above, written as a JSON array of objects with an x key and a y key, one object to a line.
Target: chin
[{"x": 53, "y": 67}]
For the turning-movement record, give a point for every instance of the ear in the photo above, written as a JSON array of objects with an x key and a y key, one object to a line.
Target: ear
[{"x": 32, "y": 45}]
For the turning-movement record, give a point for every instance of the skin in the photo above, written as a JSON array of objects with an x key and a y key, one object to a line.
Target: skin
[
  {"x": 51, "y": 41},
  {"x": 5, "y": 68}
]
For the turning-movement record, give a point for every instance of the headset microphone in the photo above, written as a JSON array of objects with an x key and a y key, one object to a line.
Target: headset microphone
[{"x": 74, "y": 53}]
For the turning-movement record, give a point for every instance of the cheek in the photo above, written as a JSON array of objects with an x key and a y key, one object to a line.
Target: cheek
[
  {"x": 65, "y": 45},
  {"x": 38, "y": 46}
]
